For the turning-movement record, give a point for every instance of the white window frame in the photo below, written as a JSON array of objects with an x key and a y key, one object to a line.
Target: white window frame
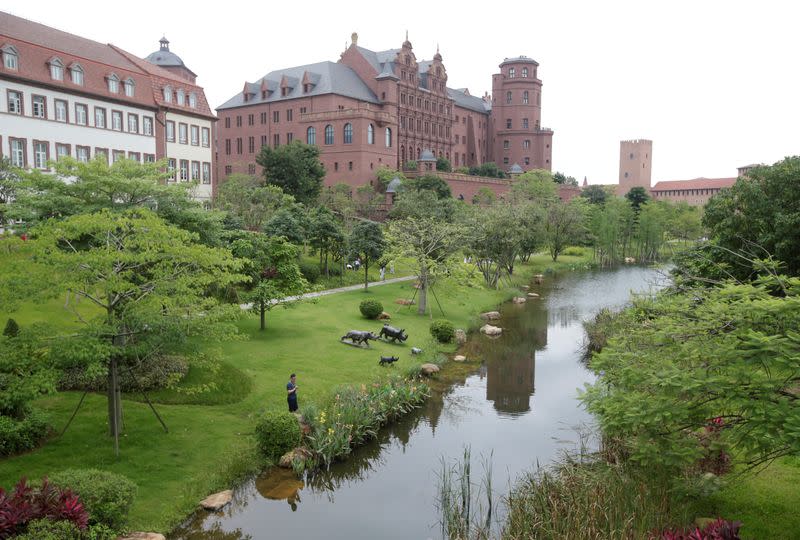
[
  {"x": 116, "y": 120},
  {"x": 179, "y": 96},
  {"x": 97, "y": 116},
  {"x": 147, "y": 125},
  {"x": 10, "y": 57},
  {"x": 130, "y": 87},
  {"x": 205, "y": 137},
  {"x": 194, "y": 135},
  {"x": 167, "y": 93},
  {"x": 17, "y": 147},
  {"x": 113, "y": 83},
  {"x": 39, "y": 108},
  {"x": 56, "y": 69},
  {"x": 133, "y": 123},
  {"x": 195, "y": 171},
  {"x": 15, "y": 99},
  {"x": 76, "y": 74},
  {"x": 193, "y": 100},
  {"x": 62, "y": 114},
  {"x": 40, "y": 152},
  {"x": 85, "y": 117},
  {"x": 184, "y": 171},
  {"x": 206, "y": 172},
  {"x": 82, "y": 153}
]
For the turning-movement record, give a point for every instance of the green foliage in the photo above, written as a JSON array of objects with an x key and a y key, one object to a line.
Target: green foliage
[
  {"x": 310, "y": 271},
  {"x": 160, "y": 371},
  {"x": 27, "y": 371},
  {"x": 21, "y": 435},
  {"x": 489, "y": 169},
  {"x": 424, "y": 204},
  {"x": 564, "y": 180},
  {"x": 250, "y": 201},
  {"x": 410, "y": 165},
  {"x": 11, "y": 329},
  {"x": 484, "y": 197},
  {"x": 366, "y": 242},
  {"x": 9, "y": 182},
  {"x": 107, "y": 496},
  {"x": 759, "y": 215},
  {"x": 287, "y": 223},
  {"x": 612, "y": 228},
  {"x": 386, "y": 174},
  {"x": 443, "y": 164},
  {"x": 326, "y": 234},
  {"x": 370, "y": 308},
  {"x": 637, "y": 196},
  {"x": 48, "y": 529},
  {"x": 443, "y": 330},
  {"x": 462, "y": 170},
  {"x": 596, "y": 194},
  {"x": 564, "y": 225},
  {"x": 536, "y": 185},
  {"x": 295, "y": 168},
  {"x": 277, "y": 433},
  {"x": 430, "y": 182}
]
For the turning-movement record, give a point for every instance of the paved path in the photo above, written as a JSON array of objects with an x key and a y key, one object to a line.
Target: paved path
[{"x": 338, "y": 290}]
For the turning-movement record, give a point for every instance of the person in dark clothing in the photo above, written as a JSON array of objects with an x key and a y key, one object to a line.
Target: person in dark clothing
[{"x": 291, "y": 392}]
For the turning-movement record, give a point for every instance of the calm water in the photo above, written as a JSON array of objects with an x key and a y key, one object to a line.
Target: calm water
[{"x": 517, "y": 403}]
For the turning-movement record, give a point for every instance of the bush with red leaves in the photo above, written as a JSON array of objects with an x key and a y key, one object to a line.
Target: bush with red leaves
[
  {"x": 716, "y": 530},
  {"x": 27, "y": 503}
]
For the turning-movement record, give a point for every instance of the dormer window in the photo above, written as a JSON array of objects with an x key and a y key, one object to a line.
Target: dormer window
[
  {"x": 168, "y": 94},
  {"x": 193, "y": 100},
  {"x": 130, "y": 87},
  {"x": 76, "y": 74},
  {"x": 285, "y": 91},
  {"x": 10, "y": 57},
  {"x": 180, "y": 96},
  {"x": 56, "y": 69},
  {"x": 113, "y": 84}
]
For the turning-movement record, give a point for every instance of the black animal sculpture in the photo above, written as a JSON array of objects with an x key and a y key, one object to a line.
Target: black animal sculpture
[
  {"x": 357, "y": 337},
  {"x": 387, "y": 360},
  {"x": 390, "y": 332}
]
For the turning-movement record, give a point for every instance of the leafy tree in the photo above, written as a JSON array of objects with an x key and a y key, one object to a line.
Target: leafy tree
[
  {"x": 366, "y": 242},
  {"x": 443, "y": 164},
  {"x": 685, "y": 223},
  {"x": 489, "y": 169},
  {"x": 535, "y": 185},
  {"x": 612, "y": 226},
  {"x": 253, "y": 203},
  {"x": 651, "y": 230},
  {"x": 82, "y": 188},
  {"x": 564, "y": 180},
  {"x": 564, "y": 225},
  {"x": 9, "y": 181},
  {"x": 368, "y": 202},
  {"x": 27, "y": 371},
  {"x": 289, "y": 223},
  {"x": 339, "y": 200},
  {"x": 295, "y": 168},
  {"x": 149, "y": 280},
  {"x": 496, "y": 239},
  {"x": 595, "y": 194},
  {"x": 430, "y": 182},
  {"x": 484, "y": 197},
  {"x": 325, "y": 234},
  {"x": 423, "y": 203},
  {"x": 759, "y": 215},
  {"x": 637, "y": 196},
  {"x": 386, "y": 174}
]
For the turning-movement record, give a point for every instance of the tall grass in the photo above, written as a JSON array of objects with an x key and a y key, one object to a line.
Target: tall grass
[{"x": 461, "y": 501}]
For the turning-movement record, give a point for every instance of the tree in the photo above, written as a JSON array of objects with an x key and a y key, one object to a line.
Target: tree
[
  {"x": 535, "y": 185},
  {"x": 386, "y": 174},
  {"x": 290, "y": 223},
  {"x": 685, "y": 222},
  {"x": 564, "y": 180},
  {"x": 423, "y": 203},
  {"x": 564, "y": 225},
  {"x": 271, "y": 264},
  {"x": 496, "y": 240},
  {"x": 82, "y": 188},
  {"x": 611, "y": 228},
  {"x": 430, "y": 182},
  {"x": 325, "y": 234},
  {"x": 150, "y": 281},
  {"x": 443, "y": 164},
  {"x": 295, "y": 168},
  {"x": 339, "y": 200},
  {"x": 368, "y": 201},
  {"x": 595, "y": 194},
  {"x": 430, "y": 243},
  {"x": 9, "y": 182},
  {"x": 637, "y": 196},
  {"x": 247, "y": 198},
  {"x": 366, "y": 242},
  {"x": 484, "y": 197}
]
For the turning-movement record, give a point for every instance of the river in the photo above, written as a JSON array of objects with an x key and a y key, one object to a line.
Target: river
[{"x": 514, "y": 401}]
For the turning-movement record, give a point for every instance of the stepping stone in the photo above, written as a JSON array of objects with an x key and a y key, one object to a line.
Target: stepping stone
[
  {"x": 490, "y": 315},
  {"x": 461, "y": 337},
  {"x": 490, "y": 330},
  {"x": 519, "y": 300},
  {"x": 143, "y": 536},
  {"x": 533, "y": 295},
  {"x": 429, "y": 369},
  {"x": 217, "y": 500},
  {"x": 459, "y": 358}
]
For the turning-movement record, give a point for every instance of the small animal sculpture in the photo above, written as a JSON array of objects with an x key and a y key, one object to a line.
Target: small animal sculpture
[
  {"x": 416, "y": 350},
  {"x": 390, "y": 332},
  {"x": 387, "y": 360},
  {"x": 357, "y": 337}
]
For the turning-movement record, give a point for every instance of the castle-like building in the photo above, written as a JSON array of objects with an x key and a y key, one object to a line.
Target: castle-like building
[{"x": 386, "y": 108}]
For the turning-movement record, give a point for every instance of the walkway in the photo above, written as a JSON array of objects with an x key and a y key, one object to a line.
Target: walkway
[{"x": 338, "y": 290}]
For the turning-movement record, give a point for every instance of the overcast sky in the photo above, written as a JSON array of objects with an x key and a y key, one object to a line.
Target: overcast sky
[{"x": 714, "y": 84}]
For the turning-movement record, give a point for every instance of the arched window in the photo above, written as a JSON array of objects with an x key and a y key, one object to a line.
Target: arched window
[
  {"x": 508, "y": 97},
  {"x": 130, "y": 87},
  {"x": 168, "y": 94},
  {"x": 329, "y": 134},
  {"x": 524, "y": 73},
  {"x": 402, "y": 155},
  {"x": 113, "y": 83},
  {"x": 512, "y": 73},
  {"x": 370, "y": 134},
  {"x": 348, "y": 133},
  {"x": 388, "y": 137},
  {"x": 179, "y": 95},
  {"x": 56, "y": 69},
  {"x": 525, "y": 97},
  {"x": 311, "y": 135},
  {"x": 418, "y": 152}
]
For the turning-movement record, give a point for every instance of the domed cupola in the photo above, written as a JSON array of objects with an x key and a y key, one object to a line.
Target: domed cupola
[{"x": 170, "y": 61}]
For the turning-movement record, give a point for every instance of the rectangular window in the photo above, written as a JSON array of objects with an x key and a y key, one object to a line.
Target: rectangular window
[
  {"x": 288, "y": 115},
  {"x": 276, "y": 116},
  {"x": 39, "y": 107},
  {"x": 289, "y": 137},
  {"x": 101, "y": 152},
  {"x": 170, "y": 127},
  {"x": 263, "y": 118},
  {"x": 17, "y": 147},
  {"x": 251, "y": 169},
  {"x": 77, "y": 76},
  {"x": 116, "y": 120},
  {"x": 133, "y": 123},
  {"x": 239, "y": 121},
  {"x": 228, "y": 169},
  {"x": 171, "y": 169},
  {"x": 349, "y": 165},
  {"x": 183, "y": 133},
  {"x": 506, "y": 145},
  {"x": 82, "y": 153},
  {"x": 56, "y": 72},
  {"x": 147, "y": 125},
  {"x": 251, "y": 120},
  {"x": 62, "y": 150},
  {"x": 205, "y": 137},
  {"x": 335, "y": 165},
  {"x": 184, "y": 170},
  {"x": 10, "y": 60},
  {"x": 14, "y": 102},
  {"x": 251, "y": 144},
  {"x": 263, "y": 140},
  {"x": 227, "y": 147},
  {"x": 61, "y": 110},
  {"x": 99, "y": 117},
  {"x": 508, "y": 123},
  {"x": 228, "y": 122},
  {"x": 196, "y": 170},
  {"x": 194, "y": 132},
  {"x": 239, "y": 145},
  {"x": 206, "y": 173},
  {"x": 524, "y": 123},
  {"x": 276, "y": 140},
  {"x": 302, "y": 110},
  {"x": 149, "y": 158},
  {"x": 135, "y": 156},
  {"x": 117, "y": 155},
  {"x": 505, "y": 161}
]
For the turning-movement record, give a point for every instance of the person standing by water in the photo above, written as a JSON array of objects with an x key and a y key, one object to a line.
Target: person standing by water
[{"x": 291, "y": 392}]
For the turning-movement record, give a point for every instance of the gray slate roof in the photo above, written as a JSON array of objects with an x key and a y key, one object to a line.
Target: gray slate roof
[
  {"x": 333, "y": 78},
  {"x": 394, "y": 186},
  {"x": 469, "y": 102},
  {"x": 516, "y": 169},
  {"x": 378, "y": 58},
  {"x": 427, "y": 155},
  {"x": 518, "y": 59}
]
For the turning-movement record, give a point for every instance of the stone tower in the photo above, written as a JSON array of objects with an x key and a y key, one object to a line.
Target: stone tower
[{"x": 635, "y": 164}]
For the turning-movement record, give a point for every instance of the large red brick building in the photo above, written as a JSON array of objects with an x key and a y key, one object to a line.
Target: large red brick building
[{"x": 385, "y": 108}]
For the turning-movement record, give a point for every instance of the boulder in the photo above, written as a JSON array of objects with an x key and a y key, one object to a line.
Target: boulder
[
  {"x": 404, "y": 302},
  {"x": 490, "y": 315},
  {"x": 142, "y": 536},
  {"x": 459, "y": 358},
  {"x": 490, "y": 330},
  {"x": 526, "y": 287},
  {"x": 461, "y": 337},
  {"x": 630, "y": 260},
  {"x": 287, "y": 458},
  {"x": 533, "y": 295},
  {"x": 217, "y": 500},
  {"x": 429, "y": 369},
  {"x": 384, "y": 316},
  {"x": 538, "y": 279},
  {"x": 519, "y": 300}
]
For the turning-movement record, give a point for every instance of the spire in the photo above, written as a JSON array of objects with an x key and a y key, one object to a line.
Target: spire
[
  {"x": 354, "y": 38},
  {"x": 585, "y": 182},
  {"x": 406, "y": 35},
  {"x": 406, "y": 43},
  {"x": 437, "y": 56},
  {"x": 164, "y": 43}
]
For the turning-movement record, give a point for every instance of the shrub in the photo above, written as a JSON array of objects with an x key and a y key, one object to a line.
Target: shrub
[
  {"x": 410, "y": 165},
  {"x": 47, "y": 529},
  {"x": 718, "y": 529},
  {"x": 371, "y": 308},
  {"x": 575, "y": 251},
  {"x": 277, "y": 433},
  {"x": 11, "y": 329},
  {"x": 27, "y": 503},
  {"x": 443, "y": 330},
  {"x": 158, "y": 372},
  {"x": 462, "y": 170},
  {"x": 107, "y": 496},
  {"x": 20, "y": 435},
  {"x": 310, "y": 271}
]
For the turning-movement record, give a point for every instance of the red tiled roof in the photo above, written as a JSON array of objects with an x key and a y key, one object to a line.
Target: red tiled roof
[{"x": 697, "y": 183}]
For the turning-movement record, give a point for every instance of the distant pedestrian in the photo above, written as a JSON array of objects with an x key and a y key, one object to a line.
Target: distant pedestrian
[
  {"x": 383, "y": 273},
  {"x": 291, "y": 392},
  {"x": 357, "y": 264},
  {"x": 391, "y": 268}
]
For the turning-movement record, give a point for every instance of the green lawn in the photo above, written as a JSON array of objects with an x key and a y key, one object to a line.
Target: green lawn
[{"x": 210, "y": 434}]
